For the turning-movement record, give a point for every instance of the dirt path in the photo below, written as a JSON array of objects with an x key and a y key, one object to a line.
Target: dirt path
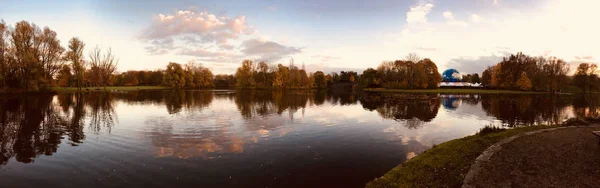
[{"x": 567, "y": 157}]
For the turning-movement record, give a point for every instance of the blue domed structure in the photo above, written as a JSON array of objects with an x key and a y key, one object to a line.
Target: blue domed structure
[{"x": 451, "y": 75}]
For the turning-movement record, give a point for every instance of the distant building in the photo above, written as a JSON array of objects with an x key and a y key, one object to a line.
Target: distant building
[
  {"x": 452, "y": 78},
  {"x": 460, "y": 84},
  {"x": 451, "y": 75}
]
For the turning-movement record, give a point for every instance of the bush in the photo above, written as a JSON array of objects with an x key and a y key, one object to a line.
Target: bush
[{"x": 490, "y": 129}]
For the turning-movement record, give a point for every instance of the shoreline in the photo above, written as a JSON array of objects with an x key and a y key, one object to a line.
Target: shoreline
[
  {"x": 448, "y": 163},
  {"x": 454, "y": 91}
]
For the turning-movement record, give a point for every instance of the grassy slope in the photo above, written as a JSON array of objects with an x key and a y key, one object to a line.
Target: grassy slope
[
  {"x": 454, "y": 91},
  {"x": 446, "y": 164},
  {"x": 119, "y": 88}
]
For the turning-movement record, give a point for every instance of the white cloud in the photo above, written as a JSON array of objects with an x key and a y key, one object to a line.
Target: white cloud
[
  {"x": 418, "y": 13},
  {"x": 267, "y": 50},
  {"x": 451, "y": 21},
  {"x": 448, "y": 15},
  {"x": 556, "y": 28},
  {"x": 476, "y": 18},
  {"x": 205, "y": 25},
  {"x": 211, "y": 38}
]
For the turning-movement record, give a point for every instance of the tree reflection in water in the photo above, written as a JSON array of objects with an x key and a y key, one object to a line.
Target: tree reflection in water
[
  {"x": 34, "y": 125},
  {"x": 411, "y": 109}
]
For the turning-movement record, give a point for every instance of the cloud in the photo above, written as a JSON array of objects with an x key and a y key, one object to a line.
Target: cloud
[
  {"x": 418, "y": 13},
  {"x": 193, "y": 27},
  {"x": 326, "y": 58},
  {"x": 476, "y": 18},
  {"x": 452, "y": 21},
  {"x": 267, "y": 50},
  {"x": 161, "y": 46},
  {"x": 473, "y": 65},
  {"x": 210, "y": 38},
  {"x": 551, "y": 28},
  {"x": 205, "y": 25}
]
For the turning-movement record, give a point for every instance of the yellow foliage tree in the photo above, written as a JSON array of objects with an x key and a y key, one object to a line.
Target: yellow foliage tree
[{"x": 524, "y": 83}]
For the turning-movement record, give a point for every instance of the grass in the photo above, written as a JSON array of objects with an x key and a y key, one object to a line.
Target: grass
[
  {"x": 446, "y": 164},
  {"x": 108, "y": 88},
  {"x": 453, "y": 91}
]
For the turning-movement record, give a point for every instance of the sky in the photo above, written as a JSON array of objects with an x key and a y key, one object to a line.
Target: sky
[{"x": 333, "y": 35}]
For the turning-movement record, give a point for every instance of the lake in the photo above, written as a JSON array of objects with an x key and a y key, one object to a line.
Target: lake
[{"x": 227, "y": 138}]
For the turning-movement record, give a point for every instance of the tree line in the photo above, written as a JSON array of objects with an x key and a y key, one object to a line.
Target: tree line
[
  {"x": 32, "y": 59},
  {"x": 545, "y": 74}
]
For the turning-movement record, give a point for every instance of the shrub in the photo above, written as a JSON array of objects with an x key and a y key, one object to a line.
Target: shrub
[{"x": 490, "y": 129}]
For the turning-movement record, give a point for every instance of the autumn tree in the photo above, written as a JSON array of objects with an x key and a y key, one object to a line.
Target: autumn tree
[
  {"x": 486, "y": 76},
  {"x": 281, "y": 77},
  {"x": 431, "y": 73},
  {"x": 224, "y": 81},
  {"x": 524, "y": 83},
  {"x": 369, "y": 78},
  {"x": 4, "y": 58},
  {"x": 244, "y": 75},
  {"x": 102, "y": 65},
  {"x": 586, "y": 77},
  {"x": 475, "y": 78},
  {"x": 36, "y": 55},
  {"x": 198, "y": 76},
  {"x": 50, "y": 52},
  {"x": 64, "y": 76},
  {"x": 174, "y": 76},
  {"x": 320, "y": 80},
  {"x": 78, "y": 64}
]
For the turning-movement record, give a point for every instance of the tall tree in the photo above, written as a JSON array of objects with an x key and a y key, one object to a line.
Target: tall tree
[
  {"x": 486, "y": 76},
  {"x": 244, "y": 75},
  {"x": 4, "y": 58},
  {"x": 50, "y": 52},
  {"x": 174, "y": 76},
  {"x": 320, "y": 80},
  {"x": 78, "y": 64},
  {"x": 475, "y": 78},
  {"x": 412, "y": 57},
  {"x": 103, "y": 65}
]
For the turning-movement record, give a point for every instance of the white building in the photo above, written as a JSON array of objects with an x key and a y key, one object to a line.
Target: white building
[{"x": 459, "y": 84}]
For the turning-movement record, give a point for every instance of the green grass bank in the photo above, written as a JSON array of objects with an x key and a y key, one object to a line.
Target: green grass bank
[{"x": 446, "y": 164}]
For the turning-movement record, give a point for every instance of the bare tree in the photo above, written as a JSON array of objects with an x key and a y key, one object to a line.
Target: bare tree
[
  {"x": 413, "y": 57},
  {"x": 102, "y": 65}
]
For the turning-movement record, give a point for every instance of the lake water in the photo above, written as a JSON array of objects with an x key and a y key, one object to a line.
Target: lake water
[{"x": 226, "y": 138}]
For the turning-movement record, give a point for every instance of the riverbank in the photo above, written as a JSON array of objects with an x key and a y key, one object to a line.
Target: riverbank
[
  {"x": 564, "y": 157},
  {"x": 446, "y": 164},
  {"x": 108, "y": 88},
  {"x": 451, "y": 91}
]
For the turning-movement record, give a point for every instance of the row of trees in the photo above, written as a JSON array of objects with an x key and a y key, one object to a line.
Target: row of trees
[
  {"x": 32, "y": 59},
  {"x": 410, "y": 73},
  {"x": 261, "y": 75},
  {"x": 523, "y": 72},
  {"x": 586, "y": 78}
]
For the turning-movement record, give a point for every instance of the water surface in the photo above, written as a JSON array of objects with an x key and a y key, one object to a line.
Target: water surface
[{"x": 225, "y": 138}]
